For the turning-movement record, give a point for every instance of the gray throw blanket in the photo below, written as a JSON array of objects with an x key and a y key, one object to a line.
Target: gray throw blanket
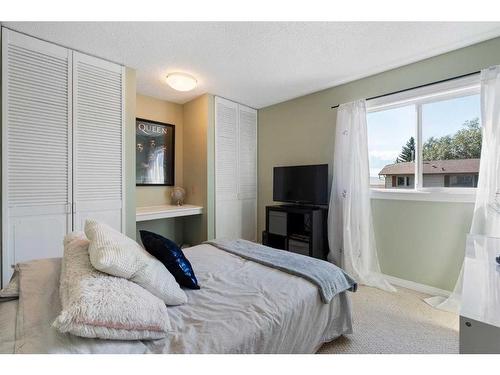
[{"x": 329, "y": 278}]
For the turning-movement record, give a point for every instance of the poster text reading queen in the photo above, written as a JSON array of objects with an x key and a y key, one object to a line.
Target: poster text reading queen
[{"x": 152, "y": 129}]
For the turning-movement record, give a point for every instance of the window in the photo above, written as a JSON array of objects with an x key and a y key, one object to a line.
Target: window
[
  {"x": 387, "y": 131},
  {"x": 402, "y": 181},
  {"x": 451, "y": 137},
  {"x": 467, "y": 180},
  {"x": 426, "y": 140}
]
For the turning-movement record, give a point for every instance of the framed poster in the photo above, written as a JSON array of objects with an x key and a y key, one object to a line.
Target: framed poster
[{"x": 155, "y": 153}]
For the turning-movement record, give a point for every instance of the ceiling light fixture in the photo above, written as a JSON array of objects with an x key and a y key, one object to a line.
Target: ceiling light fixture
[{"x": 181, "y": 81}]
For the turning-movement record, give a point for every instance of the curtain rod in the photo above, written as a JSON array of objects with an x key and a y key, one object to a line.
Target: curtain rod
[{"x": 417, "y": 87}]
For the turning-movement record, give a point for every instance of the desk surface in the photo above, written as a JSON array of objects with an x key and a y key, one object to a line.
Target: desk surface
[{"x": 166, "y": 211}]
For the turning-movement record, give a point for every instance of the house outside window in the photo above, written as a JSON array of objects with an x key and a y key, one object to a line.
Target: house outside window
[
  {"x": 426, "y": 141},
  {"x": 443, "y": 173}
]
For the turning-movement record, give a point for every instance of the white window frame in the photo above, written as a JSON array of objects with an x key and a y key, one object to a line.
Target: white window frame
[{"x": 456, "y": 88}]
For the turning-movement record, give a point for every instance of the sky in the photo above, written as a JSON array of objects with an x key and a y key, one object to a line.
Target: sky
[{"x": 388, "y": 131}]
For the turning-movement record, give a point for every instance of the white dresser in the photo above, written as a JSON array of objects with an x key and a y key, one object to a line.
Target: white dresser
[{"x": 480, "y": 312}]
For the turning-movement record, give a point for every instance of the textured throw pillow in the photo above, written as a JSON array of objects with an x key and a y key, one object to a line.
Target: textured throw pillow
[
  {"x": 171, "y": 256},
  {"x": 11, "y": 290},
  {"x": 114, "y": 253},
  {"x": 98, "y": 305},
  {"x": 70, "y": 237}
]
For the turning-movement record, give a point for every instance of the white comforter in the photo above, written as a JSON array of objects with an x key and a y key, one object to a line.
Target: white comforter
[{"x": 242, "y": 307}]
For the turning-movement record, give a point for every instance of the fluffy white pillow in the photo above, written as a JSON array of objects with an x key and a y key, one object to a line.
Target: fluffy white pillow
[
  {"x": 99, "y": 305},
  {"x": 114, "y": 253},
  {"x": 12, "y": 288}
]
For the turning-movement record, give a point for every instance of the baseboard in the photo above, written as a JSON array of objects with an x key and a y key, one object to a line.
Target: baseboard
[{"x": 422, "y": 288}]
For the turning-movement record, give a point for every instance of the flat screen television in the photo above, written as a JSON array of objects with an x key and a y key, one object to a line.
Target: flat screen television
[{"x": 304, "y": 184}]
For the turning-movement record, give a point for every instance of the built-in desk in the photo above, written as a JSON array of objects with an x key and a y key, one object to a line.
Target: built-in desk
[
  {"x": 480, "y": 311},
  {"x": 166, "y": 211}
]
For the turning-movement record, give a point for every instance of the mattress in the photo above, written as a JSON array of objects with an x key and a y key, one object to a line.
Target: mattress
[{"x": 242, "y": 307}]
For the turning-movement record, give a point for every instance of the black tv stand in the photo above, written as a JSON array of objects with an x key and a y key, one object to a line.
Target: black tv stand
[{"x": 297, "y": 228}]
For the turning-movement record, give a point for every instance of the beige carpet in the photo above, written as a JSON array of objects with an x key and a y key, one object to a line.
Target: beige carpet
[{"x": 396, "y": 323}]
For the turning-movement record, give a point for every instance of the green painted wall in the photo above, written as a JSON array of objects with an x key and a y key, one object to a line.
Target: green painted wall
[
  {"x": 169, "y": 228},
  {"x": 418, "y": 241},
  {"x": 421, "y": 241}
]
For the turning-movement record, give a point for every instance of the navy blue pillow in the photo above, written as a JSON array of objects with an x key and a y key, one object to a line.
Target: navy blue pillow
[{"x": 171, "y": 256}]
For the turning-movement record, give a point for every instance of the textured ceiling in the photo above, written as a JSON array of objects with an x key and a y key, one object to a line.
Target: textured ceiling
[{"x": 259, "y": 63}]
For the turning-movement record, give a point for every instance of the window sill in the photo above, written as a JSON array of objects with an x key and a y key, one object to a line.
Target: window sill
[{"x": 461, "y": 196}]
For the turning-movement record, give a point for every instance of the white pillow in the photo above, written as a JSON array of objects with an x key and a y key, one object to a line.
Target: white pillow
[
  {"x": 114, "y": 253},
  {"x": 12, "y": 288},
  {"x": 98, "y": 305}
]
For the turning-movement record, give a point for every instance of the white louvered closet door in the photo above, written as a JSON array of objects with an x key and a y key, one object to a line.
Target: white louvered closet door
[
  {"x": 227, "y": 205},
  {"x": 247, "y": 181},
  {"x": 235, "y": 170},
  {"x": 98, "y": 141},
  {"x": 36, "y": 175}
]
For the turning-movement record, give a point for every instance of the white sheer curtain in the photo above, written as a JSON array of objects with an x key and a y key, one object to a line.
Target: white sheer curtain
[
  {"x": 486, "y": 219},
  {"x": 350, "y": 228}
]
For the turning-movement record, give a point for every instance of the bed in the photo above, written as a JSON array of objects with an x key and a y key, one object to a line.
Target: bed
[{"x": 242, "y": 307}]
